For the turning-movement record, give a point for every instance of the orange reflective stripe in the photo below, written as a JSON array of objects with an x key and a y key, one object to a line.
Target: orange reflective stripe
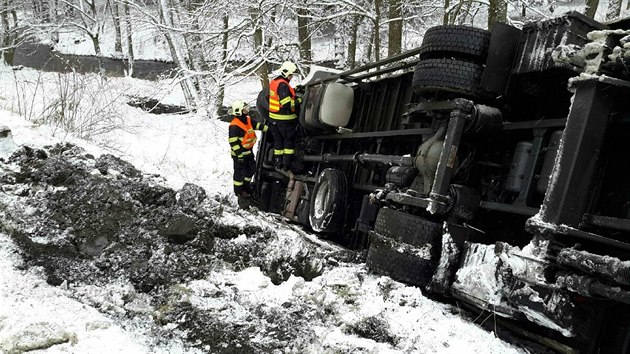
[
  {"x": 249, "y": 139},
  {"x": 274, "y": 98}
]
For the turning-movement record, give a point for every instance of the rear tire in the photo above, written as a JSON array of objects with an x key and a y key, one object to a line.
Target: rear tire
[
  {"x": 449, "y": 75},
  {"x": 328, "y": 201},
  {"x": 462, "y": 42}
]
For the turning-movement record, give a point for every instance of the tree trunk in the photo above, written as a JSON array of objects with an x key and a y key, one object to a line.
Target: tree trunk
[
  {"x": 191, "y": 41},
  {"x": 591, "y": 8},
  {"x": 263, "y": 70},
  {"x": 447, "y": 5},
  {"x": 45, "y": 10},
  {"x": 116, "y": 20},
  {"x": 614, "y": 9},
  {"x": 224, "y": 47},
  {"x": 15, "y": 17},
  {"x": 395, "y": 28},
  {"x": 352, "y": 44},
  {"x": 304, "y": 35},
  {"x": 272, "y": 20},
  {"x": 6, "y": 32},
  {"x": 377, "y": 30},
  {"x": 130, "y": 55},
  {"x": 497, "y": 12},
  {"x": 96, "y": 43},
  {"x": 179, "y": 54}
]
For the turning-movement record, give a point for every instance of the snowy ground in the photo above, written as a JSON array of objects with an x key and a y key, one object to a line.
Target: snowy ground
[{"x": 193, "y": 148}]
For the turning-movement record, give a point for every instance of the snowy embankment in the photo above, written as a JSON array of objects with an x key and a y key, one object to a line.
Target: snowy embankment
[{"x": 247, "y": 296}]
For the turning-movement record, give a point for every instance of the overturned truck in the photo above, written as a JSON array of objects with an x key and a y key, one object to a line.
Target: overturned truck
[{"x": 486, "y": 167}]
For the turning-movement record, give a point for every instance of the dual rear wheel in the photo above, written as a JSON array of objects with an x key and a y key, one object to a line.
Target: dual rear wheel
[{"x": 452, "y": 61}]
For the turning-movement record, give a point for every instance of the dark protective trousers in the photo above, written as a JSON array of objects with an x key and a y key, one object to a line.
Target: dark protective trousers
[
  {"x": 243, "y": 172},
  {"x": 283, "y": 142}
]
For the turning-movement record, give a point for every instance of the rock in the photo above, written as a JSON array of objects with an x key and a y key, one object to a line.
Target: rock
[
  {"x": 97, "y": 325},
  {"x": 93, "y": 245},
  {"x": 190, "y": 196},
  {"x": 36, "y": 336},
  {"x": 375, "y": 328},
  {"x": 107, "y": 163},
  {"x": 180, "y": 228},
  {"x": 58, "y": 172}
]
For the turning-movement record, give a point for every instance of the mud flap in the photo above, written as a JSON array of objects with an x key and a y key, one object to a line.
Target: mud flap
[
  {"x": 404, "y": 246},
  {"x": 401, "y": 261},
  {"x": 450, "y": 257}
]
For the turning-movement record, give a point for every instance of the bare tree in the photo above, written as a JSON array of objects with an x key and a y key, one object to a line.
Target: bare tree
[
  {"x": 263, "y": 66},
  {"x": 128, "y": 32},
  {"x": 614, "y": 9},
  {"x": 13, "y": 32},
  {"x": 116, "y": 20},
  {"x": 377, "y": 30},
  {"x": 591, "y": 8},
  {"x": 224, "y": 54},
  {"x": 352, "y": 44},
  {"x": 395, "y": 28},
  {"x": 90, "y": 21},
  {"x": 497, "y": 12},
  {"x": 304, "y": 35},
  {"x": 41, "y": 9},
  {"x": 179, "y": 51}
]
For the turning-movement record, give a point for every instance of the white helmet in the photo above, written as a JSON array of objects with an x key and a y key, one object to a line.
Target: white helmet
[
  {"x": 288, "y": 68},
  {"x": 238, "y": 107}
]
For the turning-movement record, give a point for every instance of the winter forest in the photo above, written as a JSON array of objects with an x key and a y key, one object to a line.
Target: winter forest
[
  {"x": 121, "y": 230},
  {"x": 215, "y": 43}
]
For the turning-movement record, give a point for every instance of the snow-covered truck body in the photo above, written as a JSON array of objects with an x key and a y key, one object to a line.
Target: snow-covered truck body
[{"x": 486, "y": 167}]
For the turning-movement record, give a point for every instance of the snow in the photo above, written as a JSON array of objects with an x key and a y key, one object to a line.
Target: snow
[
  {"x": 7, "y": 145},
  {"x": 33, "y": 312},
  {"x": 193, "y": 148},
  {"x": 478, "y": 277}
]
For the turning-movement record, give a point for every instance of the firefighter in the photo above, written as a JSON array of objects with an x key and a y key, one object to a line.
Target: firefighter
[
  {"x": 283, "y": 113},
  {"x": 242, "y": 139}
]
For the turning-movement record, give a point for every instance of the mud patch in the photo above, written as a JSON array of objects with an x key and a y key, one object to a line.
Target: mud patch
[
  {"x": 374, "y": 328},
  {"x": 88, "y": 223}
]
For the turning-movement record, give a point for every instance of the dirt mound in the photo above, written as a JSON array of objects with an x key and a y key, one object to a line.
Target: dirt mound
[{"x": 94, "y": 222}]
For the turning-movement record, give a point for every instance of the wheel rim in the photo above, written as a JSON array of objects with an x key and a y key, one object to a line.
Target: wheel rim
[{"x": 321, "y": 199}]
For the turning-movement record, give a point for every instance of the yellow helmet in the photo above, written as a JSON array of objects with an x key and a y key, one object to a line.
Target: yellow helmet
[
  {"x": 238, "y": 107},
  {"x": 288, "y": 68}
]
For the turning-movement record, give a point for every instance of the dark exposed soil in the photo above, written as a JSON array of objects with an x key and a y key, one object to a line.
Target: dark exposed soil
[{"x": 92, "y": 221}]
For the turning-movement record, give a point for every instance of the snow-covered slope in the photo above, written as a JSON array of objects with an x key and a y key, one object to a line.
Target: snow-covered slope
[{"x": 344, "y": 309}]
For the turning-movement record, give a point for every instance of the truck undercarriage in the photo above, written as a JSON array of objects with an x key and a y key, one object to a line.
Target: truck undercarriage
[{"x": 486, "y": 167}]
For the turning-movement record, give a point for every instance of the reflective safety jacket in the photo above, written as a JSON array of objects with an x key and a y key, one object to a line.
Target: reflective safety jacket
[
  {"x": 282, "y": 102},
  {"x": 242, "y": 136}
]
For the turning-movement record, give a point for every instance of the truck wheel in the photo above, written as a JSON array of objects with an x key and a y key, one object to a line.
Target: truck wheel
[
  {"x": 463, "y": 42},
  {"x": 327, "y": 209},
  {"x": 448, "y": 75},
  {"x": 400, "y": 261}
]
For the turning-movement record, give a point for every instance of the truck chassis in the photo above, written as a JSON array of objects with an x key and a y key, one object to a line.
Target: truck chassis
[{"x": 485, "y": 167}]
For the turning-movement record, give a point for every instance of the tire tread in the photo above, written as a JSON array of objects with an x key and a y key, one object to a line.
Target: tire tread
[
  {"x": 451, "y": 75},
  {"x": 458, "y": 41}
]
